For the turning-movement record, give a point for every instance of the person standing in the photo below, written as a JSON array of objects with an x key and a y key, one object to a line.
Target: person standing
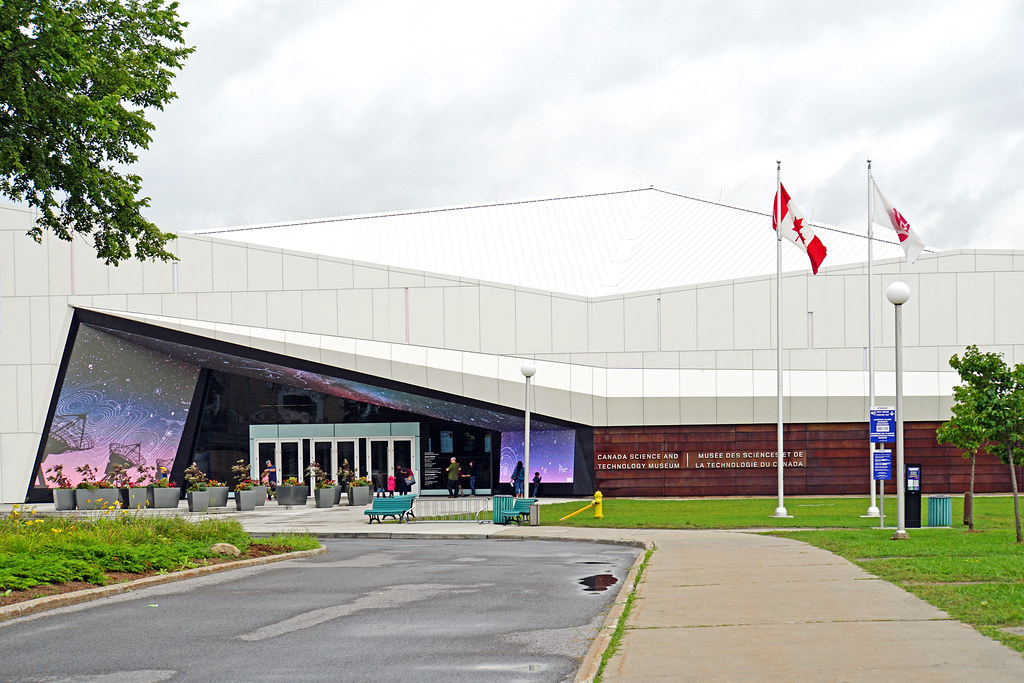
[
  {"x": 536, "y": 484},
  {"x": 270, "y": 477},
  {"x": 391, "y": 486},
  {"x": 518, "y": 479},
  {"x": 471, "y": 473},
  {"x": 453, "y": 479}
]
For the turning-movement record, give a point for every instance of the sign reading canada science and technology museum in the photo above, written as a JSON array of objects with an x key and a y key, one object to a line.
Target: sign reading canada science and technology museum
[{"x": 699, "y": 460}]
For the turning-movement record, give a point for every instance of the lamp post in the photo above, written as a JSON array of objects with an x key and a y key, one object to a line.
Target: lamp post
[
  {"x": 898, "y": 293},
  {"x": 528, "y": 370}
]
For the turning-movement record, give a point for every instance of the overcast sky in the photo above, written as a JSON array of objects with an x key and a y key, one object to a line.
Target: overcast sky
[{"x": 296, "y": 109}]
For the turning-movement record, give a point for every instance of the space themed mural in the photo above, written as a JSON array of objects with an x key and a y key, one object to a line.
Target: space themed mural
[
  {"x": 551, "y": 454},
  {"x": 120, "y": 404}
]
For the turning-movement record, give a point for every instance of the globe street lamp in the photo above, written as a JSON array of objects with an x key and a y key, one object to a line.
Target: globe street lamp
[
  {"x": 898, "y": 293},
  {"x": 528, "y": 370}
]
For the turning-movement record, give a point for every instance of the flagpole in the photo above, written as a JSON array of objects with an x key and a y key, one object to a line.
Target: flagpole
[
  {"x": 872, "y": 508},
  {"x": 780, "y": 511}
]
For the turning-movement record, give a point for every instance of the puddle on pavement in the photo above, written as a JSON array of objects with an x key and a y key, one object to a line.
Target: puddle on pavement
[{"x": 598, "y": 582}]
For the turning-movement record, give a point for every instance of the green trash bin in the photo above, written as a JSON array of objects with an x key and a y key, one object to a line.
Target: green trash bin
[{"x": 940, "y": 511}]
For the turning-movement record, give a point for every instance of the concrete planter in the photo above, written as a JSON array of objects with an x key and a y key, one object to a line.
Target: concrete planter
[
  {"x": 64, "y": 499},
  {"x": 291, "y": 495},
  {"x": 324, "y": 497},
  {"x": 95, "y": 499},
  {"x": 198, "y": 501},
  {"x": 359, "y": 495},
  {"x": 246, "y": 500},
  {"x": 218, "y": 496},
  {"x": 133, "y": 498},
  {"x": 163, "y": 498},
  {"x": 261, "y": 496},
  {"x": 338, "y": 490}
]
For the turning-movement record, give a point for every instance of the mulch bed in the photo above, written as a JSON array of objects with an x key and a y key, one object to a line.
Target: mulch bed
[{"x": 255, "y": 550}]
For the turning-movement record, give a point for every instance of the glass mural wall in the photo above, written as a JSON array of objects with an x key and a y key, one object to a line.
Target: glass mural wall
[
  {"x": 552, "y": 453},
  {"x": 120, "y": 404}
]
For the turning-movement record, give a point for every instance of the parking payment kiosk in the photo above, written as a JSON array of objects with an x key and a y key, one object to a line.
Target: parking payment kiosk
[{"x": 912, "y": 497}]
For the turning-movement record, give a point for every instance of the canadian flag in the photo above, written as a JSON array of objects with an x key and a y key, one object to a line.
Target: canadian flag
[
  {"x": 884, "y": 214},
  {"x": 796, "y": 231}
]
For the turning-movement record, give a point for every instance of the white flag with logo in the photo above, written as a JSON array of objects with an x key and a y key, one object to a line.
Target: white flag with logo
[{"x": 884, "y": 214}]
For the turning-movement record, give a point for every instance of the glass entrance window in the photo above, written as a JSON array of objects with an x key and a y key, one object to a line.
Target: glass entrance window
[
  {"x": 380, "y": 466},
  {"x": 265, "y": 452},
  {"x": 361, "y": 469},
  {"x": 290, "y": 460},
  {"x": 403, "y": 453},
  {"x": 322, "y": 456},
  {"x": 346, "y": 454}
]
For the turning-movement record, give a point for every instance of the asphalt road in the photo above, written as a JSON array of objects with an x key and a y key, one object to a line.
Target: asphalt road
[{"x": 368, "y": 609}]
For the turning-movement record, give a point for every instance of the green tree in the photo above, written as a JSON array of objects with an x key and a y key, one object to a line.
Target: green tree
[
  {"x": 988, "y": 413},
  {"x": 76, "y": 79},
  {"x": 964, "y": 431}
]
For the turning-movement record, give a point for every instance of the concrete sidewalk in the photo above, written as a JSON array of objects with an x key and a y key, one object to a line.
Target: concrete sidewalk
[{"x": 731, "y": 606}]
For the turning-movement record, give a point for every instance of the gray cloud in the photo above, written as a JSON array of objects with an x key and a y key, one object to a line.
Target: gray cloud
[{"x": 292, "y": 110}]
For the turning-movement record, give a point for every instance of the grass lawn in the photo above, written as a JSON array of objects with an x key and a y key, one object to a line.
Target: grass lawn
[
  {"x": 39, "y": 555},
  {"x": 977, "y": 578}
]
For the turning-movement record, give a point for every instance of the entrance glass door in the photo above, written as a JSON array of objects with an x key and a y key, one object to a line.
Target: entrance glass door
[
  {"x": 402, "y": 456},
  {"x": 346, "y": 454},
  {"x": 380, "y": 462},
  {"x": 290, "y": 461},
  {"x": 388, "y": 453},
  {"x": 325, "y": 457},
  {"x": 266, "y": 451}
]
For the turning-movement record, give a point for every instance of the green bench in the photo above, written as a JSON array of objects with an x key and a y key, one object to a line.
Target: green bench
[
  {"x": 398, "y": 507},
  {"x": 519, "y": 511}
]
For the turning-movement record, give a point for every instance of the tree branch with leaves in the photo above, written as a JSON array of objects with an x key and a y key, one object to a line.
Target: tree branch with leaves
[{"x": 76, "y": 80}]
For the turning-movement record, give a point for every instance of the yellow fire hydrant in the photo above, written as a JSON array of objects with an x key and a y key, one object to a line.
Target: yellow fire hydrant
[{"x": 598, "y": 508}]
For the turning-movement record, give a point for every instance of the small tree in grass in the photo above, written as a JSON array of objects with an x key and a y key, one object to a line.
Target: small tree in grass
[{"x": 988, "y": 413}]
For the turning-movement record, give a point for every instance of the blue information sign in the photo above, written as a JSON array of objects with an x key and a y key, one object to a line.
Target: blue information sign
[
  {"x": 883, "y": 424},
  {"x": 882, "y": 465}
]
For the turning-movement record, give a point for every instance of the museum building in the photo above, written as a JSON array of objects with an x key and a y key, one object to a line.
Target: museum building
[{"x": 397, "y": 339}]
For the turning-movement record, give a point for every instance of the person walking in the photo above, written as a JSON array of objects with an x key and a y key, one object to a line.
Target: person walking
[
  {"x": 518, "y": 479},
  {"x": 536, "y": 484},
  {"x": 453, "y": 479},
  {"x": 471, "y": 473}
]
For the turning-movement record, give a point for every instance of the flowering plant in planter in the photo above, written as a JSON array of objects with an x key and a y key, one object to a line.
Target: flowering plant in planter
[
  {"x": 245, "y": 485},
  {"x": 291, "y": 481},
  {"x": 58, "y": 478},
  {"x": 213, "y": 483},
  {"x": 240, "y": 470},
  {"x": 361, "y": 481},
  {"x": 146, "y": 473},
  {"x": 91, "y": 479},
  {"x": 324, "y": 484},
  {"x": 316, "y": 472},
  {"x": 195, "y": 480},
  {"x": 345, "y": 473}
]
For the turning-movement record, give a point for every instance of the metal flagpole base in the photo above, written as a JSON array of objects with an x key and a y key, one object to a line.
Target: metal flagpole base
[
  {"x": 781, "y": 512},
  {"x": 872, "y": 512},
  {"x": 900, "y": 535}
]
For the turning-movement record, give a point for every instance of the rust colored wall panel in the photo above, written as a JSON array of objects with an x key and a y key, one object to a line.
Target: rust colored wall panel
[{"x": 734, "y": 462}]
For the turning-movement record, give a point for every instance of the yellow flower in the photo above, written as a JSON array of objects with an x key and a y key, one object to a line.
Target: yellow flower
[{"x": 55, "y": 530}]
